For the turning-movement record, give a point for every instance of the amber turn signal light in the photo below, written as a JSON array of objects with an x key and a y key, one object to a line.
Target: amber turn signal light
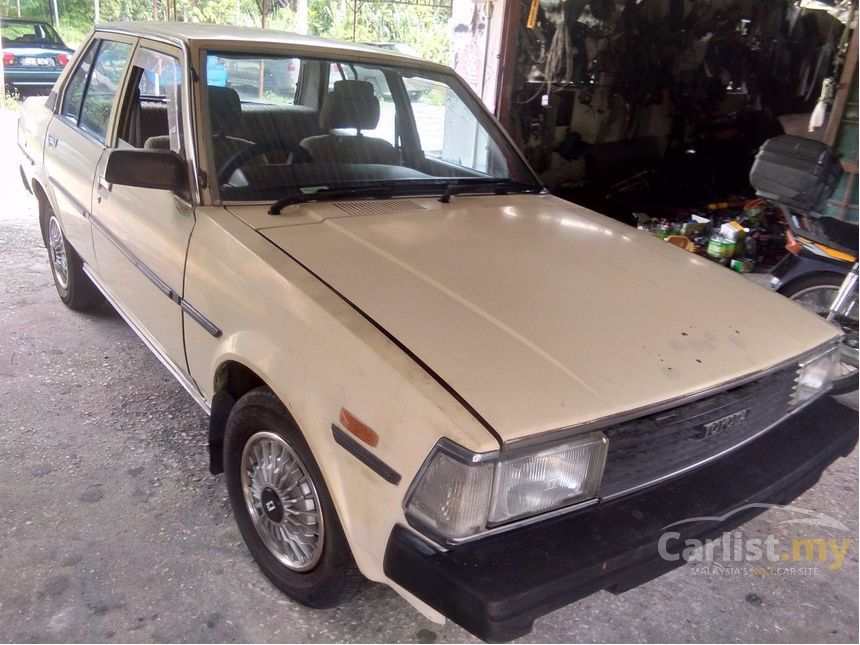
[{"x": 358, "y": 428}]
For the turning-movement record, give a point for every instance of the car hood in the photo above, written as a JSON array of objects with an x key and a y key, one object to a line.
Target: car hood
[{"x": 539, "y": 313}]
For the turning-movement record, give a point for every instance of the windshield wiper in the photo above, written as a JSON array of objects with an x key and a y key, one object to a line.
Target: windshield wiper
[
  {"x": 495, "y": 187},
  {"x": 383, "y": 191},
  {"x": 380, "y": 191}
]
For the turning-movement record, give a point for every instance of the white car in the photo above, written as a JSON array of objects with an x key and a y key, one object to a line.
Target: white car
[{"x": 421, "y": 368}]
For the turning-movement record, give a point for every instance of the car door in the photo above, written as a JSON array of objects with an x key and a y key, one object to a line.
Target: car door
[
  {"x": 75, "y": 139},
  {"x": 141, "y": 235}
]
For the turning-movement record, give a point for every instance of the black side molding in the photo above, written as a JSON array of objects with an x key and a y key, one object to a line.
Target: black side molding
[{"x": 366, "y": 457}]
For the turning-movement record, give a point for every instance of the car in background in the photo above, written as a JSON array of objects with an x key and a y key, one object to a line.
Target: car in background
[
  {"x": 256, "y": 78},
  {"x": 34, "y": 55}
]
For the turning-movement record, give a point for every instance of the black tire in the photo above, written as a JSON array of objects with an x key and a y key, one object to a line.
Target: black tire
[
  {"x": 74, "y": 287},
  {"x": 334, "y": 578},
  {"x": 792, "y": 290}
]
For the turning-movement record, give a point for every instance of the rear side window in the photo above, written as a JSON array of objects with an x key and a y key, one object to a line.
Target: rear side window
[
  {"x": 103, "y": 86},
  {"x": 77, "y": 85}
]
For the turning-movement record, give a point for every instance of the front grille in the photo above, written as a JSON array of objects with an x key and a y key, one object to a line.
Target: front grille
[{"x": 652, "y": 447}]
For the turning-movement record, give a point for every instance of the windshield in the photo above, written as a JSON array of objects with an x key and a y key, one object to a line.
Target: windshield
[
  {"x": 28, "y": 33},
  {"x": 282, "y": 125}
]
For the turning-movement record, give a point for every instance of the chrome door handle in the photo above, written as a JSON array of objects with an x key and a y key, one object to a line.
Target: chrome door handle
[
  {"x": 52, "y": 140},
  {"x": 104, "y": 187}
]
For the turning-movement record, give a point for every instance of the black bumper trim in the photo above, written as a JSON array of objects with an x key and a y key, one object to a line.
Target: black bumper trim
[{"x": 496, "y": 587}]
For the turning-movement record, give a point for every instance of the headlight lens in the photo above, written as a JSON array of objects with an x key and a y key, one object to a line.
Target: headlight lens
[
  {"x": 459, "y": 494},
  {"x": 548, "y": 479},
  {"x": 815, "y": 375}
]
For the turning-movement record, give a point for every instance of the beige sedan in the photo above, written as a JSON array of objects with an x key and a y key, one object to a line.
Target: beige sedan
[{"x": 421, "y": 368}]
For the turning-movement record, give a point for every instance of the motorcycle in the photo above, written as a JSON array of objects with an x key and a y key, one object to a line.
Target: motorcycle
[
  {"x": 820, "y": 273},
  {"x": 798, "y": 175}
]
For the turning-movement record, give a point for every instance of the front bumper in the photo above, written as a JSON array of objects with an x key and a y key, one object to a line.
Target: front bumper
[{"x": 496, "y": 587}]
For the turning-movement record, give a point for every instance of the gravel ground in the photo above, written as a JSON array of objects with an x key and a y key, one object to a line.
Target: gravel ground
[{"x": 113, "y": 530}]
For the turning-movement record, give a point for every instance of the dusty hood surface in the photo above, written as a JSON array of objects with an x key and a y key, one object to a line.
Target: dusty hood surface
[{"x": 542, "y": 314}]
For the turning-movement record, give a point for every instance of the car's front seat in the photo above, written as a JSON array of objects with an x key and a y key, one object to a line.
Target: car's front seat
[{"x": 350, "y": 104}]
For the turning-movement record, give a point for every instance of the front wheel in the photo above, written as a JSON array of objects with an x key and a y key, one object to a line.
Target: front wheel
[
  {"x": 816, "y": 293},
  {"x": 282, "y": 506}
]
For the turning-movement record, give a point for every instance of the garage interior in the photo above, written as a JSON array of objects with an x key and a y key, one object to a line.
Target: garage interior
[
  {"x": 649, "y": 111},
  {"x": 652, "y": 112}
]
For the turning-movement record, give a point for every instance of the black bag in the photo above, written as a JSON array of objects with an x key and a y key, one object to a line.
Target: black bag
[{"x": 794, "y": 171}]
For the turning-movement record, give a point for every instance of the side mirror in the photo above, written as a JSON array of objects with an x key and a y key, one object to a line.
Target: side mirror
[{"x": 156, "y": 169}]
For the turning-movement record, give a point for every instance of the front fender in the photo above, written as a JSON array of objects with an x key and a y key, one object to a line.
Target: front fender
[{"x": 319, "y": 355}]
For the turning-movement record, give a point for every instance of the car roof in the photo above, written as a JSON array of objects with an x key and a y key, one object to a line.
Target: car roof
[{"x": 195, "y": 34}]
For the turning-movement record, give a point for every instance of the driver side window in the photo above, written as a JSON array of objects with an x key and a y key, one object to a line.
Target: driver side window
[{"x": 151, "y": 116}]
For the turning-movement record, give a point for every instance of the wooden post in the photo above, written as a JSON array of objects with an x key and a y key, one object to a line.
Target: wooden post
[
  {"x": 301, "y": 16},
  {"x": 55, "y": 14},
  {"x": 842, "y": 92},
  {"x": 507, "y": 63}
]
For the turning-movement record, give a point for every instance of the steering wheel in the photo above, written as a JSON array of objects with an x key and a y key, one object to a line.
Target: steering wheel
[{"x": 297, "y": 154}]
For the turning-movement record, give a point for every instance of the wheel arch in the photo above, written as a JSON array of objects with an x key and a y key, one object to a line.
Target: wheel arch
[
  {"x": 232, "y": 380},
  {"x": 44, "y": 201}
]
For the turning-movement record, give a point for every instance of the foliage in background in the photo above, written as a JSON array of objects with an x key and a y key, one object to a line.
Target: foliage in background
[{"x": 425, "y": 29}]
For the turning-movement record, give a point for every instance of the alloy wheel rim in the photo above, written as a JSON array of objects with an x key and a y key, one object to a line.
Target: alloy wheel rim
[
  {"x": 282, "y": 501},
  {"x": 57, "y": 250}
]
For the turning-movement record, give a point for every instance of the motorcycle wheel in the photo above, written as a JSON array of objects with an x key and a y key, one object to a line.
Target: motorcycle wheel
[{"x": 816, "y": 292}]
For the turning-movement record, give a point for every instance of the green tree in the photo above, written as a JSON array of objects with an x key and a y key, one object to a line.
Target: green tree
[{"x": 425, "y": 29}]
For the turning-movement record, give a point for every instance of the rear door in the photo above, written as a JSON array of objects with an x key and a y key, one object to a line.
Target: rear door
[
  {"x": 76, "y": 135},
  {"x": 141, "y": 234}
]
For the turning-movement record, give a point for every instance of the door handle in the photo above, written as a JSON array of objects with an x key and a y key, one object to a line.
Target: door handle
[
  {"x": 104, "y": 187},
  {"x": 52, "y": 141}
]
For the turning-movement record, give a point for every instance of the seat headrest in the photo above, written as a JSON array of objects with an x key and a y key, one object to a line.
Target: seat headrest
[
  {"x": 350, "y": 104},
  {"x": 225, "y": 110}
]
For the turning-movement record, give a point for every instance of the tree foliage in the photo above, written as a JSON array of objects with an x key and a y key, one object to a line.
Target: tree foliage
[{"x": 425, "y": 29}]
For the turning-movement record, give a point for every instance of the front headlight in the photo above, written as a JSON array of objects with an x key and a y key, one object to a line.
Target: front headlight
[
  {"x": 814, "y": 375},
  {"x": 459, "y": 494}
]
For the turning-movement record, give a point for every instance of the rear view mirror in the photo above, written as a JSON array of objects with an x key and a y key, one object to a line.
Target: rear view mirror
[{"x": 156, "y": 169}]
